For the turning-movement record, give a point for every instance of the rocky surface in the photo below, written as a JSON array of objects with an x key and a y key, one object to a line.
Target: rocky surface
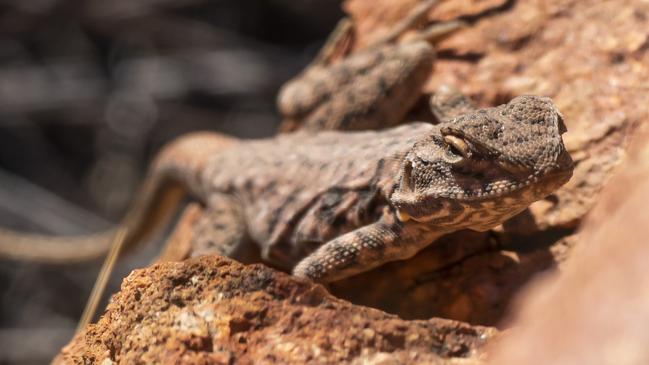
[
  {"x": 596, "y": 311},
  {"x": 217, "y": 311}
]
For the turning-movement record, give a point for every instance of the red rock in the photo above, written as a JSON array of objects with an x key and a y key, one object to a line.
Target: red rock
[{"x": 212, "y": 310}]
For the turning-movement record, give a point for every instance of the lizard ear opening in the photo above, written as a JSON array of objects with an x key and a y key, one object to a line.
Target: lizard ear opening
[
  {"x": 561, "y": 124},
  {"x": 406, "y": 177}
]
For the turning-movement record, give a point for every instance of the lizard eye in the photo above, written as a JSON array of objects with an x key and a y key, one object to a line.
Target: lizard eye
[{"x": 458, "y": 146}]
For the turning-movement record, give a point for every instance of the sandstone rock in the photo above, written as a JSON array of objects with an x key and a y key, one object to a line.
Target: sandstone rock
[{"x": 214, "y": 310}]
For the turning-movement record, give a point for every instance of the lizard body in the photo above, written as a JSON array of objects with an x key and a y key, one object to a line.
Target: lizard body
[{"x": 332, "y": 204}]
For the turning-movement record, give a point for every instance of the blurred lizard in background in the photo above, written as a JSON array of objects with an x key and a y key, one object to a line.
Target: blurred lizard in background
[{"x": 372, "y": 88}]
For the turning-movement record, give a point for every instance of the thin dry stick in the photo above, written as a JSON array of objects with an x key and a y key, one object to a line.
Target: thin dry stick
[{"x": 104, "y": 274}]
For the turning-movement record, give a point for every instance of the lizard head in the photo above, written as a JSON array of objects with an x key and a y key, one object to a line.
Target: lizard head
[{"x": 484, "y": 167}]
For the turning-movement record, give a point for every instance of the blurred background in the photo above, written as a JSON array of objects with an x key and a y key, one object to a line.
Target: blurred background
[{"x": 90, "y": 90}]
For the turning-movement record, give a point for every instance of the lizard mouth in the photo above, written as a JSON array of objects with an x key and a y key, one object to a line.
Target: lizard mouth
[
  {"x": 463, "y": 184},
  {"x": 428, "y": 199}
]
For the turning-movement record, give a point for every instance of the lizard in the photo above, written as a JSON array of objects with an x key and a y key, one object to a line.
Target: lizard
[{"x": 333, "y": 204}]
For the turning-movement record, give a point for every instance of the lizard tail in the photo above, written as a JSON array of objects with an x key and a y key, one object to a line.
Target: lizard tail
[{"x": 173, "y": 174}]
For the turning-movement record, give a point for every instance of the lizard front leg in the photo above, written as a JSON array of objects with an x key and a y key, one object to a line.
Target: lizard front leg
[{"x": 364, "y": 249}]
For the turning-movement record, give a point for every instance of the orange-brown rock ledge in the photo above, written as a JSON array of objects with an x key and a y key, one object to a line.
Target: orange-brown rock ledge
[{"x": 213, "y": 310}]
